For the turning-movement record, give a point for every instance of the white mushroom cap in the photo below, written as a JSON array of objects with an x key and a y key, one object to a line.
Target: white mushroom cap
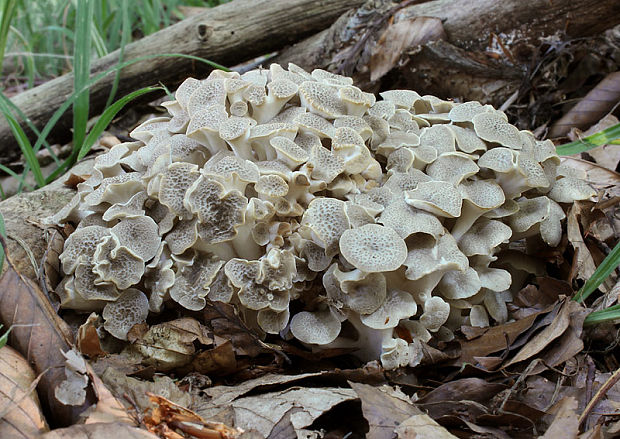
[
  {"x": 327, "y": 219},
  {"x": 398, "y": 305},
  {"x": 319, "y": 328},
  {"x": 492, "y": 127},
  {"x": 363, "y": 292},
  {"x": 484, "y": 237},
  {"x": 322, "y": 99},
  {"x": 130, "y": 309},
  {"x": 272, "y": 322},
  {"x": 459, "y": 284},
  {"x": 80, "y": 246},
  {"x": 569, "y": 189},
  {"x": 436, "y": 197},
  {"x": 452, "y": 167},
  {"x": 436, "y": 312},
  {"x": 117, "y": 264},
  {"x": 373, "y": 248}
]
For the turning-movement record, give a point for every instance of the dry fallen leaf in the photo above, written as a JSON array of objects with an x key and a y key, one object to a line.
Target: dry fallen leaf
[
  {"x": 566, "y": 421},
  {"x": 40, "y": 335},
  {"x": 120, "y": 384},
  {"x": 589, "y": 110},
  {"x": 170, "y": 345},
  {"x": 217, "y": 361},
  {"x": 547, "y": 336},
  {"x": 494, "y": 339},
  {"x": 389, "y": 412},
  {"x": 166, "y": 416},
  {"x": 20, "y": 411},
  {"x": 400, "y": 37},
  {"x": 88, "y": 341},
  {"x": 262, "y": 412},
  {"x": 72, "y": 390},
  {"x": 99, "y": 431}
]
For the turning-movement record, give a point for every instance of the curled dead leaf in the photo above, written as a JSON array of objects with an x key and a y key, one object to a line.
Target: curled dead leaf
[
  {"x": 598, "y": 102},
  {"x": 20, "y": 410},
  {"x": 401, "y": 37},
  {"x": 167, "y": 415},
  {"x": 40, "y": 335},
  {"x": 389, "y": 412},
  {"x": 99, "y": 431}
]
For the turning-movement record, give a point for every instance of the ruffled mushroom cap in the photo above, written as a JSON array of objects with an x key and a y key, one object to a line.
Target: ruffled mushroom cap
[
  {"x": 467, "y": 140},
  {"x": 363, "y": 292},
  {"x": 133, "y": 208},
  {"x": 398, "y": 305},
  {"x": 429, "y": 255},
  {"x": 117, "y": 189},
  {"x": 272, "y": 322},
  {"x": 436, "y": 312},
  {"x": 80, "y": 246},
  {"x": 437, "y": 198},
  {"x": 438, "y": 137},
  {"x": 535, "y": 215},
  {"x": 569, "y": 189},
  {"x": 191, "y": 283},
  {"x": 484, "y": 237},
  {"x": 326, "y": 218},
  {"x": 130, "y": 309},
  {"x": 204, "y": 127},
  {"x": 515, "y": 172},
  {"x": 117, "y": 264},
  {"x": 322, "y": 99},
  {"x": 350, "y": 146},
  {"x": 479, "y": 197},
  {"x": 459, "y": 284},
  {"x": 219, "y": 212},
  {"x": 233, "y": 172},
  {"x": 466, "y": 111},
  {"x": 452, "y": 167},
  {"x": 139, "y": 235},
  {"x": 320, "y": 327},
  {"x": 208, "y": 94},
  {"x": 493, "y": 127},
  {"x": 373, "y": 248}
]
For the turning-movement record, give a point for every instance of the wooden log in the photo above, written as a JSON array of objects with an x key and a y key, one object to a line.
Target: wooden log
[
  {"x": 458, "y": 66},
  {"x": 228, "y": 34}
]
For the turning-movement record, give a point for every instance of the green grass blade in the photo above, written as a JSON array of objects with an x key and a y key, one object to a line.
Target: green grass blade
[
  {"x": 30, "y": 67},
  {"x": 24, "y": 145},
  {"x": 99, "y": 43},
  {"x": 608, "y": 135},
  {"x": 125, "y": 37},
  {"x": 16, "y": 110},
  {"x": 81, "y": 68},
  {"x": 107, "y": 116},
  {"x": 7, "y": 12},
  {"x": 5, "y": 337},
  {"x": 602, "y": 316},
  {"x": 19, "y": 178},
  {"x": 608, "y": 265},
  {"x": 3, "y": 233}
]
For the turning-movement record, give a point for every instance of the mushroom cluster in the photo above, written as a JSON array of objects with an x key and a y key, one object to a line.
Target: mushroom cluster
[{"x": 321, "y": 213}]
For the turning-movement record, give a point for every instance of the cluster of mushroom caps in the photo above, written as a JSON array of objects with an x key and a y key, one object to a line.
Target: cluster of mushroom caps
[{"x": 323, "y": 214}]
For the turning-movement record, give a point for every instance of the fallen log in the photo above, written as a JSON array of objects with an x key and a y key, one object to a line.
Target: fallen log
[
  {"x": 228, "y": 34},
  {"x": 484, "y": 50}
]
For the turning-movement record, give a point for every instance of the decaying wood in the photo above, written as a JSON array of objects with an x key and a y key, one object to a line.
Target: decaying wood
[
  {"x": 228, "y": 34},
  {"x": 459, "y": 66}
]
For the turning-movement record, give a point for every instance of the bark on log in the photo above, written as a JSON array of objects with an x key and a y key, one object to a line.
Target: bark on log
[
  {"x": 228, "y": 34},
  {"x": 459, "y": 66}
]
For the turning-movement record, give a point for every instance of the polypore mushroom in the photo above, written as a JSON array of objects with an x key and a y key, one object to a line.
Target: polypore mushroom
[{"x": 297, "y": 196}]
